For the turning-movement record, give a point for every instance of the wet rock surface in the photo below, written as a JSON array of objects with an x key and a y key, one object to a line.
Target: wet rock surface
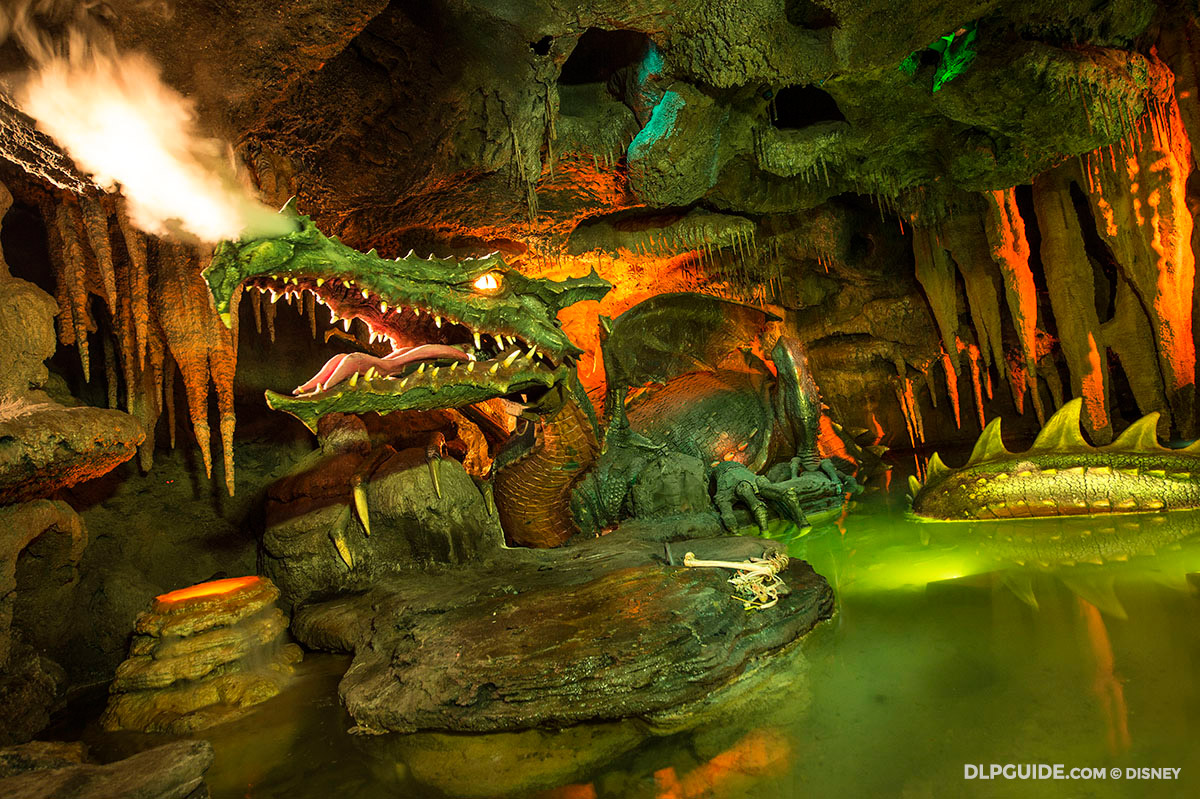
[
  {"x": 40, "y": 755},
  {"x": 603, "y": 630},
  {"x": 174, "y": 771},
  {"x": 313, "y": 524},
  {"x": 202, "y": 656}
]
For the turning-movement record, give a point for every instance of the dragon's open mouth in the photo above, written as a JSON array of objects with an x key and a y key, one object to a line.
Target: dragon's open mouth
[{"x": 408, "y": 350}]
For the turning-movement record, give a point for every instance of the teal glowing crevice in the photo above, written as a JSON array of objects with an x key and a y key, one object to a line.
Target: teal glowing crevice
[
  {"x": 651, "y": 66},
  {"x": 661, "y": 124}
]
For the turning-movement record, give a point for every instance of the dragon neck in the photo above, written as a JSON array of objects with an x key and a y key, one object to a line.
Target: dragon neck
[{"x": 533, "y": 488}]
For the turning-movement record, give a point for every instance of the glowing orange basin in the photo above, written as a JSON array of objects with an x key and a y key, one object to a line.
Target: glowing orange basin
[{"x": 212, "y": 588}]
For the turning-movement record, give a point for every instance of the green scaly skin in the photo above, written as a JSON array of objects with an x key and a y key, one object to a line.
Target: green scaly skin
[
  {"x": 496, "y": 334},
  {"x": 450, "y": 309},
  {"x": 1062, "y": 475}
]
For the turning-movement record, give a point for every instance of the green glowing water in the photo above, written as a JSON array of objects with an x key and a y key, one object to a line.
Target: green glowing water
[{"x": 937, "y": 658}]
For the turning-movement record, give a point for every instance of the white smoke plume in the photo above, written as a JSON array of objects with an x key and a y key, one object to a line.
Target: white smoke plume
[{"x": 121, "y": 123}]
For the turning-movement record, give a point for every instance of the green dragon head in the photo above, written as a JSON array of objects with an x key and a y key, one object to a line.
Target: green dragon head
[{"x": 445, "y": 333}]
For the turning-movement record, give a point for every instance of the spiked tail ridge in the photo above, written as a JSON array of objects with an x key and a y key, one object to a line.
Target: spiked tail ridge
[{"x": 1062, "y": 474}]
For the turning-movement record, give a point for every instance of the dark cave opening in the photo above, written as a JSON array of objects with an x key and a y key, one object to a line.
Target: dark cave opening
[
  {"x": 809, "y": 14},
  {"x": 23, "y": 239},
  {"x": 542, "y": 45},
  {"x": 599, "y": 54},
  {"x": 798, "y": 107}
]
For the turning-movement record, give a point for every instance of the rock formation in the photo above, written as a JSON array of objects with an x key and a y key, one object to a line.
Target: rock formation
[{"x": 201, "y": 656}]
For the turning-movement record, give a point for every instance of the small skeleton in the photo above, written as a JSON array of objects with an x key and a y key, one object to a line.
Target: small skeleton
[{"x": 756, "y": 584}]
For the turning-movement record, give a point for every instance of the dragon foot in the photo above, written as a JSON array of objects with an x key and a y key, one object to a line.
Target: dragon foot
[{"x": 808, "y": 490}]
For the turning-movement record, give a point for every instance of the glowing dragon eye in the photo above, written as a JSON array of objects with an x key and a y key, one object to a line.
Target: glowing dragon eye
[{"x": 488, "y": 283}]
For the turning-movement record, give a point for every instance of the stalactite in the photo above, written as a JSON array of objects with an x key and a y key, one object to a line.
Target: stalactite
[
  {"x": 1129, "y": 335},
  {"x": 95, "y": 225},
  {"x": 200, "y": 344},
  {"x": 110, "y": 370},
  {"x": 906, "y": 396},
  {"x": 146, "y": 404},
  {"x": 1142, "y": 214},
  {"x": 1010, "y": 250},
  {"x": 73, "y": 274},
  {"x": 139, "y": 283},
  {"x": 948, "y": 366},
  {"x": 168, "y": 388},
  {"x": 1179, "y": 46},
  {"x": 967, "y": 242},
  {"x": 1049, "y": 373},
  {"x": 1070, "y": 281},
  {"x": 935, "y": 273},
  {"x": 976, "y": 384}
]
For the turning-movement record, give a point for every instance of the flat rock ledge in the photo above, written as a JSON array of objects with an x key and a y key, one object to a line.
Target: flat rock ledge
[
  {"x": 174, "y": 771},
  {"x": 609, "y": 629}
]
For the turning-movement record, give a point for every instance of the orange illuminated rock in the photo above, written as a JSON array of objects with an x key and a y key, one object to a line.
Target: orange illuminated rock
[{"x": 201, "y": 656}]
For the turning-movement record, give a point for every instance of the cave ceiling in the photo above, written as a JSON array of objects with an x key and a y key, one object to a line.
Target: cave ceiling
[
  {"x": 920, "y": 188},
  {"x": 461, "y": 122}
]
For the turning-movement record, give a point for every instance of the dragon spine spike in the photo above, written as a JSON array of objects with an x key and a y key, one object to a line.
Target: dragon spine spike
[
  {"x": 1061, "y": 432},
  {"x": 914, "y": 485},
  {"x": 1141, "y": 436},
  {"x": 935, "y": 469},
  {"x": 990, "y": 445}
]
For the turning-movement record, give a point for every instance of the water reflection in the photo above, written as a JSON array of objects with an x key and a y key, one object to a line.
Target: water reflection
[{"x": 1043, "y": 641}]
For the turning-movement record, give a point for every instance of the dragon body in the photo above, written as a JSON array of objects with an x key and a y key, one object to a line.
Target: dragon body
[
  {"x": 1062, "y": 475},
  {"x": 450, "y": 333}
]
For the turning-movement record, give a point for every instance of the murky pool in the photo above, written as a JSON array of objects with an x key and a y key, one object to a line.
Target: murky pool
[{"x": 955, "y": 647}]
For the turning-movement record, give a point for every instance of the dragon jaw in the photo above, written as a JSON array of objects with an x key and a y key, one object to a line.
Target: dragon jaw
[{"x": 442, "y": 333}]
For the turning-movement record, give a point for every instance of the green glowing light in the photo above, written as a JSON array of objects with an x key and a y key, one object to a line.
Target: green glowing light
[{"x": 957, "y": 53}]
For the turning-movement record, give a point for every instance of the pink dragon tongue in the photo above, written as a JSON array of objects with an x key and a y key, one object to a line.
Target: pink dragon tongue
[
  {"x": 322, "y": 376},
  {"x": 342, "y": 367},
  {"x": 425, "y": 352}
]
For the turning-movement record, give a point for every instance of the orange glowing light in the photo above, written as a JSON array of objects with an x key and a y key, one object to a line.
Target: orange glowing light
[
  {"x": 212, "y": 588},
  {"x": 489, "y": 283},
  {"x": 760, "y": 753},
  {"x": 1107, "y": 684}
]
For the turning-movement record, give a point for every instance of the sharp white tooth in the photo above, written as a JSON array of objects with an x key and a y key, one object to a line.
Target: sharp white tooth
[
  {"x": 421, "y": 369},
  {"x": 370, "y": 374},
  {"x": 508, "y": 361},
  {"x": 532, "y": 352},
  {"x": 416, "y": 311},
  {"x": 346, "y": 325},
  {"x": 383, "y": 307},
  {"x": 453, "y": 366},
  {"x": 495, "y": 367},
  {"x": 478, "y": 343},
  {"x": 346, "y": 284},
  {"x": 365, "y": 294},
  {"x": 470, "y": 366},
  {"x": 320, "y": 282},
  {"x": 433, "y": 372},
  {"x": 437, "y": 320},
  {"x": 354, "y": 379},
  {"x": 332, "y": 316},
  {"x": 471, "y": 356},
  {"x": 275, "y": 277},
  {"x": 274, "y": 296},
  {"x": 403, "y": 380},
  {"x": 503, "y": 342},
  {"x": 371, "y": 337}
]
